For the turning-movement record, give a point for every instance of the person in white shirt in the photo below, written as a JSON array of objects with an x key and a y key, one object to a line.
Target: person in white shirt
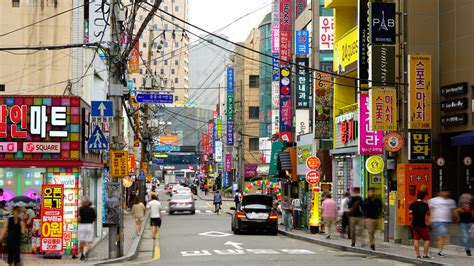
[
  {"x": 155, "y": 214},
  {"x": 344, "y": 214},
  {"x": 441, "y": 208},
  {"x": 296, "y": 206}
]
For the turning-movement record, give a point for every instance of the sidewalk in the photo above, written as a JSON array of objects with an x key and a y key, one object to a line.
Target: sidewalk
[
  {"x": 388, "y": 250},
  {"x": 210, "y": 196}
]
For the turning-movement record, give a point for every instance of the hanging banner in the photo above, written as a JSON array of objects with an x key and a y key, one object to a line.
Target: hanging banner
[
  {"x": 286, "y": 114},
  {"x": 363, "y": 44},
  {"x": 419, "y": 90},
  {"x": 302, "y": 122},
  {"x": 275, "y": 121},
  {"x": 210, "y": 127},
  {"x": 285, "y": 30},
  {"x": 326, "y": 33},
  {"x": 302, "y": 83},
  {"x": 382, "y": 66},
  {"x": 131, "y": 163},
  {"x": 322, "y": 105},
  {"x": 383, "y": 111},
  {"x": 276, "y": 67},
  {"x": 370, "y": 142},
  {"x": 134, "y": 60},
  {"x": 382, "y": 23},
  {"x": 300, "y": 6},
  {"x": 419, "y": 146},
  {"x": 219, "y": 127},
  {"x": 302, "y": 42},
  {"x": 52, "y": 214},
  {"x": 218, "y": 153},
  {"x": 228, "y": 162},
  {"x": 276, "y": 26},
  {"x": 230, "y": 107},
  {"x": 250, "y": 170}
]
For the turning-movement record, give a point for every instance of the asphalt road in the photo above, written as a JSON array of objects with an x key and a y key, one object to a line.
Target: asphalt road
[{"x": 206, "y": 239}]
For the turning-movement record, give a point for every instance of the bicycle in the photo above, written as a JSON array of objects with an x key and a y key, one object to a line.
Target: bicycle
[{"x": 217, "y": 207}]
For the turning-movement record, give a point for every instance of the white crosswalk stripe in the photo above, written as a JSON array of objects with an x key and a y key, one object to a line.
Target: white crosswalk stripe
[{"x": 208, "y": 211}]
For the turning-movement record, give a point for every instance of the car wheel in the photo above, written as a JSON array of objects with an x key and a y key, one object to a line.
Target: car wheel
[
  {"x": 237, "y": 231},
  {"x": 274, "y": 232},
  {"x": 171, "y": 212},
  {"x": 193, "y": 211}
]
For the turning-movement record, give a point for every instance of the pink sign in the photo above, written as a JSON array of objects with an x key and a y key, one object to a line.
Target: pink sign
[
  {"x": 228, "y": 162},
  {"x": 8, "y": 147},
  {"x": 41, "y": 147},
  {"x": 250, "y": 170},
  {"x": 370, "y": 142}
]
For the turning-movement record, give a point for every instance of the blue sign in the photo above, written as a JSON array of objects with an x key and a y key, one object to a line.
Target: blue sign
[
  {"x": 230, "y": 133},
  {"x": 141, "y": 176},
  {"x": 97, "y": 141},
  {"x": 166, "y": 148},
  {"x": 155, "y": 98},
  {"x": 102, "y": 108},
  {"x": 276, "y": 67},
  {"x": 230, "y": 79},
  {"x": 302, "y": 42}
]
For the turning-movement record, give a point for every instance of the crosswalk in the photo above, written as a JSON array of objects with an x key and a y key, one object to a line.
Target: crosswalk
[{"x": 198, "y": 212}]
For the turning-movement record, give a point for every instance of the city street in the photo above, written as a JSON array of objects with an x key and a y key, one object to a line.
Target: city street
[{"x": 206, "y": 239}]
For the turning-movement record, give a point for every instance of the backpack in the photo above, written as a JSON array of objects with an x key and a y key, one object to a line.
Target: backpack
[{"x": 237, "y": 197}]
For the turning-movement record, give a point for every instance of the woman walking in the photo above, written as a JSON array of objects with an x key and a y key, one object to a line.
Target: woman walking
[
  {"x": 138, "y": 212},
  {"x": 14, "y": 227}
]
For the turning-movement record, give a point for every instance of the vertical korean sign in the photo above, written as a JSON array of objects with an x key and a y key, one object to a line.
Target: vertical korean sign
[
  {"x": 276, "y": 26},
  {"x": 326, "y": 33},
  {"x": 286, "y": 116},
  {"x": 419, "y": 90},
  {"x": 363, "y": 44},
  {"x": 230, "y": 106},
  {"x": 322, "y": 105},
  {"x": 302, "y": 42},
  {"x": 370, "y": 142},
  {"x": 302, "y": 83},
  {"x": 210, "y": 126},
  {"x": 383, "y": 111},
  {"x": 52, "y": 197},
  {"x": 285, "y": 30}
]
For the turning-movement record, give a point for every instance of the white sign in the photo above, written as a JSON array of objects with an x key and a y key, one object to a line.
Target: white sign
[
  {"x": 41, "y": 147},
  {"x": 302, "y": 122},
  {"x": 99, "y": 29},
  {"x": 219, "y": 155},
  {"x": 326, "y": 33},
  {"x": 69, "y": 181},
  {"x": 265, "y": 148},
  {"x": 275, "y": 121}
]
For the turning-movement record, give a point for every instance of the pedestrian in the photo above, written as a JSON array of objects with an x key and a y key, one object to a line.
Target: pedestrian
[
  {"x": 356, "y": 221},
  {"x": 287, "y": 217},
  {"x": 131, "y": 198},
  {"x": 328, "y": 213},
  {"x": 138, "y": 212},
  {"x": 296, "y": 207},
  {"x": 155, "y": 214},
  {"x": 465, "y": 215},
  {"x": 4, "y": 213},
  {"x": 85, "y": 232},
  {"x": 442, "y": 208},
  {"x": 217, "y": 202},
  {"x": 13, "y": 228},
  {"x": 206, "y": 188},
  {"x": 237, "y": 199},
  {"x": 372, "y": 208},
  {"x": 344, "y": 214},
  {"x": 419, "y": 210}
]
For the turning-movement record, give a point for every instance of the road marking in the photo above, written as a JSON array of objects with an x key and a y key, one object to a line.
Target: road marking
[
  {"x": 198, "y": 211},
  {"x": 195, "y": 253},
  {"x": 163, "y": 211},
  {"x": 209, "y": 211},
  {"x": 246, "y": 251},
  {"x": 156, "y": 251},
  {"x": 235, "y": 245},
  {"x": 214, "y": 234}
]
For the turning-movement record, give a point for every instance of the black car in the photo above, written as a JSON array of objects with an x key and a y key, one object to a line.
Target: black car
[{"x": 256, "y": 213}]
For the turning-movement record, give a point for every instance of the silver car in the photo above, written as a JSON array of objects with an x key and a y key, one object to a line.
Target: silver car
[{"x": 182, "y": 203}]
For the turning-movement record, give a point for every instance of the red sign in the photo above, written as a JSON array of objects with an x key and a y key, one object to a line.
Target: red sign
[
  {"x": 52, "y": 212},
  {"x": 312, "y": 177},
  {"x": 250, "y": 170},
  {"x": 131, "y": 163},
  {"x": 313, "y": 163}
]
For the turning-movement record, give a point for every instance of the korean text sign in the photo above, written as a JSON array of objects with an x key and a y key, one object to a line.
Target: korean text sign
[
  {"x": 52, "y": 206},
  {"x": 302, "y": 83},
  {"x": 419, "y": 90},
  {"x": 370, "y": 142},
  {"x": 119, "y": 163},
  {"x": 230, "y": 107},
  {"x": 302, "y": 42},
  {"x": 326, "y": 33},
  {"x": 383, "y": 111},
  {"x": 285, "y": 30},
  {"x": 419, "y": 146}
]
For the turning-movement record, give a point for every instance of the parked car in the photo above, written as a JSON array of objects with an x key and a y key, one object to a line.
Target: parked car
[
  {"x": 181, "y": 203},
  {"x": 256, "y": 213}
]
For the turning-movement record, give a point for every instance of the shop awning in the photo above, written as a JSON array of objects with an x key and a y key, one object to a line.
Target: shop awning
[{"x": 466, "y": 138}]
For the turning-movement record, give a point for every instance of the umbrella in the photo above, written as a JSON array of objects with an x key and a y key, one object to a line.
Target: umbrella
[
  {"x": 22, "y": 199},
  {"x": 466, "y": 138}
]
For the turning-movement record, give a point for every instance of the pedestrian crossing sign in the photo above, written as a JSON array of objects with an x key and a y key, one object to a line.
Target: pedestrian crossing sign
[{"x": 97, "y": 141}]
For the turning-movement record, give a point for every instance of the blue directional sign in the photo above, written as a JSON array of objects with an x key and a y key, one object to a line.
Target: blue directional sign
[
  {"x": 155, "y": 98},
  {"x": 97, "y": 141},
  {"x": 141, "y": 176},
  {"x": 102, "y": 108}
]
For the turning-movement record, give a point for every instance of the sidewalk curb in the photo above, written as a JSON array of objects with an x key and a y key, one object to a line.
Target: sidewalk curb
[
  {"x": 133, "y": 251},
  {"x": 361, "y": 250}
]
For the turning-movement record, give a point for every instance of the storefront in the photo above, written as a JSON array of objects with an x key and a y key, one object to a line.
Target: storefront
[{"x": 42, "y": 140}]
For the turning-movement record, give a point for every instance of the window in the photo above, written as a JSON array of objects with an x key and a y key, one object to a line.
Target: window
[
  {"x": 176, "y": 8},
  {"x": 2, "y": 87},
  {"x": 15, "y": 3},
  {"x": 141, "y": 71},
  {"x": 173, "y": 53},
  {"x": 254, "y": 112},
  {"x": 176, "y": 44},
  {"x": 176, "y": 80},
  {"x": 176, "y": 62},
  {"x": 154, "y": 62},
  {"x": 141, "y": 17},
  {"x": 253, "y": 81},
  {"x": 144, "y": 44},
  {"x": 165, "y": 44},
  {"x": 162, "y": 71},
  {"x": 165, "y": 62},
  {"x": 141, "y": 53},
  {"x": 165, "y": 26},
  {"x": 253, "y": 144},
  {"x": 176, "y": 98},
  {"x": 165, "y": 8}
]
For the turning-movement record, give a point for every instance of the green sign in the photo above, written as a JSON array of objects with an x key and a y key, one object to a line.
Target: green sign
[
  {"x": 219, "y": 127},
  {"x": 277, "y": 147}
]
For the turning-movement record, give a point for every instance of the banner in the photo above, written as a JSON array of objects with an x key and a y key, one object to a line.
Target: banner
[
  {"x": 230, "y": 107},
  {"x": 419, "y": 146},
  {"x": 131, "y": 163},
  {"x": 52, "y": 212},
  {"x": 302, "y": 42},
  {"x": 218, "y": 153},
  {"x": 382, "y": 23},
  {"x": 383, "y": 111},
  {"x": 370, "y": 142},
  {"x": 228, "y": 162},
  {"x": 326, "y": 33},
  {"x": 286, "y": 114},
  {"x": 302, "y": 83},
  {"x": 363, "y": 44},
  {"x": 219, "y": 127},
  {"x": 250, "y": 170},
  {"x": 210, "y": 126},
  {"x": 276, "y": 26},
  {"x": 302, "y": 122},
  {"x": 285, "y": 30},
  {"x": 382, "y": 66},
  {"x": 322, "y": 105},
  {"x": 419, "y": 90},
  {"x": 134, "y": 60}
]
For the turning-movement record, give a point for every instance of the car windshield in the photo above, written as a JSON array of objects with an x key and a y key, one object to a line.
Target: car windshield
[{"x": 181, "y": 197}]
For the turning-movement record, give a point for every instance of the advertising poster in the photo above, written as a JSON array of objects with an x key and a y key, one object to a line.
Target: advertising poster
[
  {"x": 419, "y": 91},
  {"x": 322, "y": 105},
  {"x": 370, "y": 142},
  {"x": 52, "y": 211},
  {"x": 383, "y": 111}
]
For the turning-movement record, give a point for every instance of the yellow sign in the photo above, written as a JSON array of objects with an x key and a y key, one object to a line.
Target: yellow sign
[
  {"x": 346, "y": 52},
  {"x": 383, "y": 111},
  {"x": 391, "y": 198},
  {"x": 145, "y": 168},
  {"x": 419, "y": 90},
  {"x": 374, "y": 164},
  {"x": 148, "y": 177},
  {"x": 119, "y": 163}
]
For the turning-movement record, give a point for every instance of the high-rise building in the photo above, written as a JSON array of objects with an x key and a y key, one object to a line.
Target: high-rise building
[{"x": 169, "y": 49}]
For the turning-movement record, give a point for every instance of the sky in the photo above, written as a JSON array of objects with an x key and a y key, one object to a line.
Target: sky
[{"x": 212, "y": 15}]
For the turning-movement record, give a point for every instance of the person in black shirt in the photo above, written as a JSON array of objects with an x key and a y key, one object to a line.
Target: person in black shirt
[
  {"x": 372, "y": 207},
  {"x": 355, "y": 215},
  {"x": 13, "y": 228},
  {"x": 85, "y": 232},
  {"x": 419, "y": 210}
]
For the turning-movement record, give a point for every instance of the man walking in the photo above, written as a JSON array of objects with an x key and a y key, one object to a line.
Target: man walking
[
  {"x": 155, "y": 214},
  {"x": 328, "y": 212},
  {"x": 419, "y": 210},
  {"x": 372, "y": 207},
  {"x": 85, "y": 232},
  {"x": 286, "y": 208},
  {"x": 296, "y": 206},
  {"x": 442, "y": 208},
  {"x": 355, "y": 215},
  {"x": 237, "y": 199},
  {"x": 344, "y": 213}
]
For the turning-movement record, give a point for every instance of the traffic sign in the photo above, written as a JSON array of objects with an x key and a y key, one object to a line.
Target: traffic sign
[
  {"x": 118, "y": 163},
  {"x": 102, "y": 111},
  {"x": 97, "y": 141},
  {"x": 312, "y": 177},
  {"x": 155, "y": 98},
  {"x": 313, "y": 163}
]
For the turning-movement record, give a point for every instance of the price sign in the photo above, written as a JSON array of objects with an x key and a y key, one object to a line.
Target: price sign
[
  {"x": 119, "y": 163},
  {"x": 312, "y": 177},
  {"x": 52, "y": 212}
]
